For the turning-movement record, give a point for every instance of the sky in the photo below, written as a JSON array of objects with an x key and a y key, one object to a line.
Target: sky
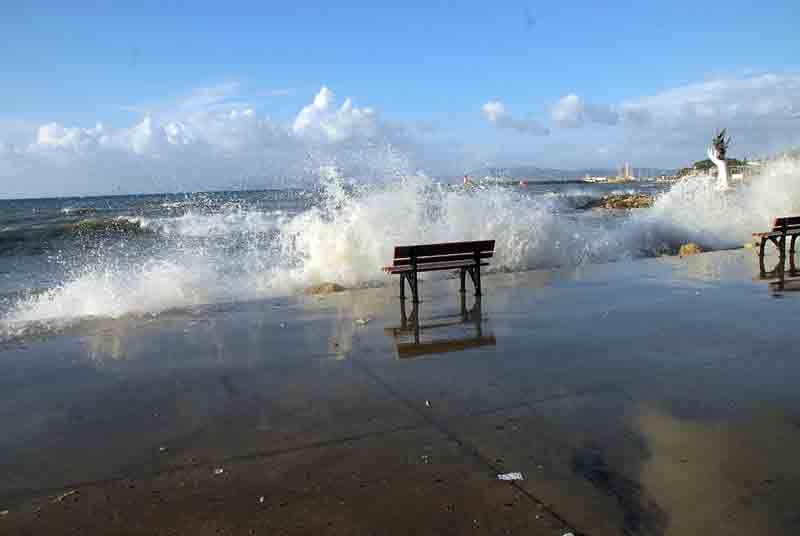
[{"x": 111, "y": 97}]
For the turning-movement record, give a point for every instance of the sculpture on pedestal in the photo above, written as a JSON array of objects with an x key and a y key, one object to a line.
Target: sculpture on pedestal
[{"x": 717, "y": 153}]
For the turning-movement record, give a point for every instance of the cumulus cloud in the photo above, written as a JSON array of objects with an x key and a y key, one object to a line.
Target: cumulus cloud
[
  {"x": 572, "y": 111},
  {"x": 210, "y": 139},
  {"x": 495, "y": 112},
  {"x": 766, "y": 98},
  {"x": 673, "y": 127},
  {"x": 321, "y": 121}
]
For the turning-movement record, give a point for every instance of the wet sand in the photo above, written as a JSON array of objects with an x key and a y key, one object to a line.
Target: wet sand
[{"x": 646, "y": 397}]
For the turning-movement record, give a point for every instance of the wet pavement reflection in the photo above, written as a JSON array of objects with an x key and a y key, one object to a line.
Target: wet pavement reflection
[
  {"x": 451, "y": 340},
  {"x": 635, "y": 398}
]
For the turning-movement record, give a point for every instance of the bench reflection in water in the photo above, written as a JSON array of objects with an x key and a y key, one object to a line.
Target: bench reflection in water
[
  {"x": 408, "y": 335},
  {"x": 780, "y": 279}
]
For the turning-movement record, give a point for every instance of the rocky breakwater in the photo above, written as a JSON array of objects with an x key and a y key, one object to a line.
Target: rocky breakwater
[
  {"x": 323, "y": 288},
  {"x": 622, "y": 201}
]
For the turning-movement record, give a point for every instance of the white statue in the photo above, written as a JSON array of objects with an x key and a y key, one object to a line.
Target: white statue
[{"x": 717, "y": 153}]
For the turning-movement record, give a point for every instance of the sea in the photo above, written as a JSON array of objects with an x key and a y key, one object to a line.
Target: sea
[{"x": 68, "y": 260}]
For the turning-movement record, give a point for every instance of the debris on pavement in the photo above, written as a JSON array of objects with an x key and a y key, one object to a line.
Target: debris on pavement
[
  {"x": 65, "y": 495},
  {"x": 219, "y": 471},
  {"x": 510, "y": 476},
  {"x": 362, "y": 321}
]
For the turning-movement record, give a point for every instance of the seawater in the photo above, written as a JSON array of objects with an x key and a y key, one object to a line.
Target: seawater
[{"x": 67, "y": 259}]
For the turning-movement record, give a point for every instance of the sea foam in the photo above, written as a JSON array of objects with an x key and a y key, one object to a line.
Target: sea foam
[{"x": 350, "y": 233}]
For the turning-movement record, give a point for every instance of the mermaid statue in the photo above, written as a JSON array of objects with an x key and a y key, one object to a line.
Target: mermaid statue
[{"x": 717, "y": 153}]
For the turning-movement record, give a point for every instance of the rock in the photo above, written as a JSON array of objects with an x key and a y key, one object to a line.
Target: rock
[
  {"x": 324, "y": 288},
  {"x": 114, "y": 226},
  {"x": 689, "y": 249},
  {"x": 623, "y": 201}
]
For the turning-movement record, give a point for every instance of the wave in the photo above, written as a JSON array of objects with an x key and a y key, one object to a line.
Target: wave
[
  {"x": 351, "y": 232},
  {"x": 107, "y": 226},
  {"x": 22, "y": 240},
  {"x": 78, "y": 211},
  {"x": 198, "y": 224}
]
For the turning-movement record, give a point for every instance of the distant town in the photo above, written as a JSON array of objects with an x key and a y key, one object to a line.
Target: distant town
[{"x": 740, "y": 171}]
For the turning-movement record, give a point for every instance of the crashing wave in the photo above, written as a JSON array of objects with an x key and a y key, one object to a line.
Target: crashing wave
[{"x": 350, "y": 233}]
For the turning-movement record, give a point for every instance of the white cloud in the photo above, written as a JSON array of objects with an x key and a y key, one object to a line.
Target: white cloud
[
  {"x": 320, "y": 120},
  {"x": 765, "y": 97},
  {"x": 226, "y": 95},
  {"x": 495, "y": 112},
  {"x": 674, "y": 126},
  {"x": 572, "y": 111},
  {"x": 210, "y": 139}
]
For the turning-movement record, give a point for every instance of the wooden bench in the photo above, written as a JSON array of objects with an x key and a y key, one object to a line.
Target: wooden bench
[
  {"x": 782, "y": 228},
  {"x": 466, "y": 257}
]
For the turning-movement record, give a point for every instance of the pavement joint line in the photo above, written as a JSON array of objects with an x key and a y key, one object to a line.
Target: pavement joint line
[
  {"x": 465, "y": 446},
  {"x": 31, "y": 493}
]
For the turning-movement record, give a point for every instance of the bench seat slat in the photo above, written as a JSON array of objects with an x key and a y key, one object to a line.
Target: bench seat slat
[
  {"x": 769, "y": 233},
  {"x": 431, "y": 267},
  {"x": 791, "y": 220},
  {"x": 443, "y": 258},
  {"x": 449, "y": 248},
  {"x": 779, "y": 232}
]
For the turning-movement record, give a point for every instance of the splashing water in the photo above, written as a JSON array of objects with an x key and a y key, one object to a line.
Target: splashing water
[{"x": 350, "y": 232}]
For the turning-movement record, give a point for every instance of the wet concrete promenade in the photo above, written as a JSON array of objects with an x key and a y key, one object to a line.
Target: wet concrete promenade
[{"x": 650, "y": 397}]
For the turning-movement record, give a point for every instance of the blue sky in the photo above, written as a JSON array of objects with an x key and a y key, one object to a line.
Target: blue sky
[{"x": 414, "y": 64}]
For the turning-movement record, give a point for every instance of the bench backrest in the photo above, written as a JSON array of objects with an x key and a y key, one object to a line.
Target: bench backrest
[
  {"x": 449, "y": 251},
  {"x": 786, "y": 224}
]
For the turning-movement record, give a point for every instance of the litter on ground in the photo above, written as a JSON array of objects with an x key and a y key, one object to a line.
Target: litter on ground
[
  {"x": 510, "y": 476},
  {"x": 65, "y": 495}
]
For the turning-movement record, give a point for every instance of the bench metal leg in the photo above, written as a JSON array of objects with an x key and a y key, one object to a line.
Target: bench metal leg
[
  {"x": 792, "y": 250},
  {"x": 780, "y": 245},
  {"x": 403, "y": 317},
  {"x": 477, "y": 316},
  {"x": 475, "y": 274},
  {"x": 412, "y": 282},
  {"x": 402, "y": 286},
  {"x": 414, "y": 318},
  {"x": 463, "y": 273}
]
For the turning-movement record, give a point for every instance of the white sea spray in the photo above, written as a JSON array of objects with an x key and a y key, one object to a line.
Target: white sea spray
[{"x": 347, "y": 236}]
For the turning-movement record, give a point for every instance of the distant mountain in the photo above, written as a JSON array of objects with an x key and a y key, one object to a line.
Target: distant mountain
[{"x": 533, "y": 173}]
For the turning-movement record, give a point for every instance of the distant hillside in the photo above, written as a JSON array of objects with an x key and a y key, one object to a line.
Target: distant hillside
[{"x": 532, "y": 173}]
